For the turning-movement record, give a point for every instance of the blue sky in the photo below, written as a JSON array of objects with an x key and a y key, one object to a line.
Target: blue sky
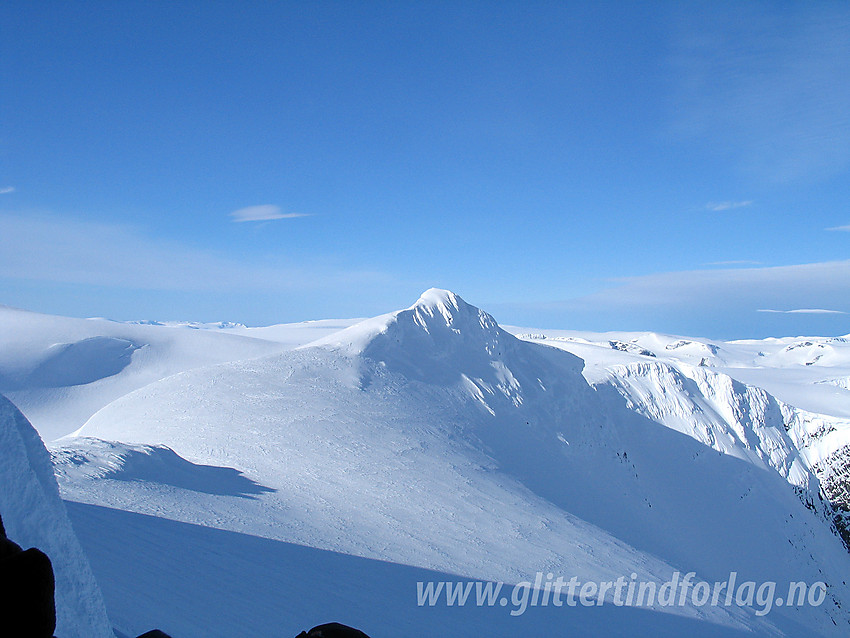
[{"x": 679, "y": 167}]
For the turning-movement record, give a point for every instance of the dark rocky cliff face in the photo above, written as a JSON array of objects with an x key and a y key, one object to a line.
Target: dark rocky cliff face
[{"x": 834, "y": 475}]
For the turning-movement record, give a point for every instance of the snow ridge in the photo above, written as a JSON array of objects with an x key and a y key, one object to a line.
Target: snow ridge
[{"x": 34, "y": 516}]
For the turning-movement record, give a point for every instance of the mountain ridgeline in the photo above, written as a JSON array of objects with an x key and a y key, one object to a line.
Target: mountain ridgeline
[{"x": 433, "y": 439}]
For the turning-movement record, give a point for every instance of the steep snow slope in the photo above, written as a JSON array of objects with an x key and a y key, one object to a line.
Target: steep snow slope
[
  {"x": 60, "y": 371},
  {"x": 432, "y": 438},
  {"x": 693, "y": 391},
  {"x": 34, "y": 516},
  {"x": 811, "y": 451},
  {"x": 726, "y": 415}
]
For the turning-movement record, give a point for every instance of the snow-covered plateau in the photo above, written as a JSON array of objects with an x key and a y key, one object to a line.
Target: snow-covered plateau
[{"x": 232, "y": 481}]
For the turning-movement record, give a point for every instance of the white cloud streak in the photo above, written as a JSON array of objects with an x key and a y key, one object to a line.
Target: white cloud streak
[
  {"x": 721, "y": 206},
  {"x": 804, "y": 311},
  {"x": 844, "y": 229},
  {"x": 263, "y": 213},
  {"x": 6, "y": 190}
]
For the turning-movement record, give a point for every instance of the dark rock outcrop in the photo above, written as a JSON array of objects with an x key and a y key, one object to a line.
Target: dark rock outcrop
[
  {"x": 26, "y": 591},
  {"x": 332, "y": 630}
]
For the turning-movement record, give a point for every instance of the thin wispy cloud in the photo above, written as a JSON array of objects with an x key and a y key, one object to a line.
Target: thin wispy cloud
[
  {"x": 804, "y": 311},
  {"x": 62, "y": 250},
  {"x": 266, "y": 212},
  {"x": 6, "y": 190},
  {"x": 844, "y": 229},
  {"x": 816, "y": 285},
  {"x": 721, "y": 206},
  {"x": 734, "y": 262},
  {"x": 707, "y": 301}
]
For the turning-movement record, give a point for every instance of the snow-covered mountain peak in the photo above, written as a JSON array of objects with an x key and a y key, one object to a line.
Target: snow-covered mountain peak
[
  {"x": 436, "y": 305},
  {"x": 442, "y": 311},
  {"x": 442, "y": 340},
  {"x": 438, "y": 324},
  {"x": 438, "y": 297}
]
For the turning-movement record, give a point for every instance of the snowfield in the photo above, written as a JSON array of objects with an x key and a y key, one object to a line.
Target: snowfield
[
  {"x": 59, "y": 371},
  {"x": 233, "y": 481}
]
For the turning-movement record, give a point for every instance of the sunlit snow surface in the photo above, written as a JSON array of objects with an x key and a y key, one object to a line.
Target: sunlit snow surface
[{"x": 256, "y": 481}]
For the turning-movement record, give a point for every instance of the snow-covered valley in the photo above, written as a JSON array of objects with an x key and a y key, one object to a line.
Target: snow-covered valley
[{"x": 233, "y": 481}]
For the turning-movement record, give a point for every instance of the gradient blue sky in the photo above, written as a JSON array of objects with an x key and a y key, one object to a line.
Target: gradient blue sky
[{"x": 666, "y": 166}]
